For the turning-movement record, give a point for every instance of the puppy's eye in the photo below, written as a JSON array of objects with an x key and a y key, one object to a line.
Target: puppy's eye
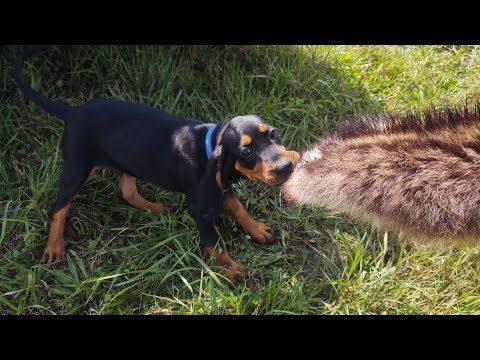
[
  {"x": 246, "y": 153},
  {"x": 273, "y": 134}
]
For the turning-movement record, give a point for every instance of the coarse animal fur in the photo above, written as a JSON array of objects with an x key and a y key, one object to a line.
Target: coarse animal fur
[
  {"x": 417, "y": 173},
  {"x": 169, "y": 151}
]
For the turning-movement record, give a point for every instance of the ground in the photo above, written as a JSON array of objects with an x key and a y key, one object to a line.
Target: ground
[{"x": 122, "y": 260}]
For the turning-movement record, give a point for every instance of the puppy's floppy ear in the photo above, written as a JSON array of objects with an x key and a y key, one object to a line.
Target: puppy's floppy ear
[{"x": 210, "y": 197}]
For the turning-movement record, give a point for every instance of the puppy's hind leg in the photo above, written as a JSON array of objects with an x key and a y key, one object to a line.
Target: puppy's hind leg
[
  {"x": 71, "y": 180},
  {"x": 128, "y": 187}
]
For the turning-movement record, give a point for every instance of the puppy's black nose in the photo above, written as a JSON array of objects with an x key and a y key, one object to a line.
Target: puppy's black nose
[{"x": 284, "y": 167}]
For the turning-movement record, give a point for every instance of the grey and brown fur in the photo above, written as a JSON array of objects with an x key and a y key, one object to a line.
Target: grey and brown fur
[{"x": 416, "y": 173}]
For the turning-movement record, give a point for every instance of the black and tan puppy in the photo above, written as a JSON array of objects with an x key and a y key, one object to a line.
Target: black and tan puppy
[{"x": 173, "y": 152}]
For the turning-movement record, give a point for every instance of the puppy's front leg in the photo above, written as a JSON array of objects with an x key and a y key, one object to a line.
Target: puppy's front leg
[
  {"x": 259, "y": 232},
  {"x": 217, "y": 248}
]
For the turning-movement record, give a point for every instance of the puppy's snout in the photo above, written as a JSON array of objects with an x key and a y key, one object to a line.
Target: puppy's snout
[{"x": 284, "y": 168}]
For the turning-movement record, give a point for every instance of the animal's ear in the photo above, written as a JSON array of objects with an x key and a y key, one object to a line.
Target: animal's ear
[{"x": 210, "y": 197}]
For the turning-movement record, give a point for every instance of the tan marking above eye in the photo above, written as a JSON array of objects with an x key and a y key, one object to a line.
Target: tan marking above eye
[
  {"x": 263, "y": 128},
  {"x": 246, "y": 140}
]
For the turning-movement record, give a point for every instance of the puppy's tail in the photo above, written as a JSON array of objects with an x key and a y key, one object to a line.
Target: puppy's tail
[{"x": 56, "y": 108}]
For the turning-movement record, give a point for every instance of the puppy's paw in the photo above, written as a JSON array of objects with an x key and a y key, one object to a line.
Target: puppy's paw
[
  {"x": 160, "y": 208},
  {"x": 54, "y": 251},
  {"x": 234, "y": 272},
  {"x": 261, "y": 233}
]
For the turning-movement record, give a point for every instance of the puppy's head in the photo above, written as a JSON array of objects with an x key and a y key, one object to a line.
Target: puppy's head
[
  {"x": 245, "y": 146},
  {"x": 255, "y": 150}
]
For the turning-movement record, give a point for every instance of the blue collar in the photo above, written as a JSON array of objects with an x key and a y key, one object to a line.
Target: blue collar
[{"x": 208, "y": 142}]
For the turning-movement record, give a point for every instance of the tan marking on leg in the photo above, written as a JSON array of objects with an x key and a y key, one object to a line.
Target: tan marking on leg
[
  {"x": 55, "y": 249},
  {"x": 262, "y": 128},
  {"x": 246, "y": 140},
  {"x": 232, "y": 270},
  {"x": 128, "y": 187},
  {"x": 259, "y": 232}
]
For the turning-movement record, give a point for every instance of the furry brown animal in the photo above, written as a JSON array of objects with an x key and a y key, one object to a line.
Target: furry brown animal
[{"x": 416, "y": 173}]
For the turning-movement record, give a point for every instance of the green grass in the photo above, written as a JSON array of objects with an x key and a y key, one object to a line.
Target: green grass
[{"x": 122, "y": 260}]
